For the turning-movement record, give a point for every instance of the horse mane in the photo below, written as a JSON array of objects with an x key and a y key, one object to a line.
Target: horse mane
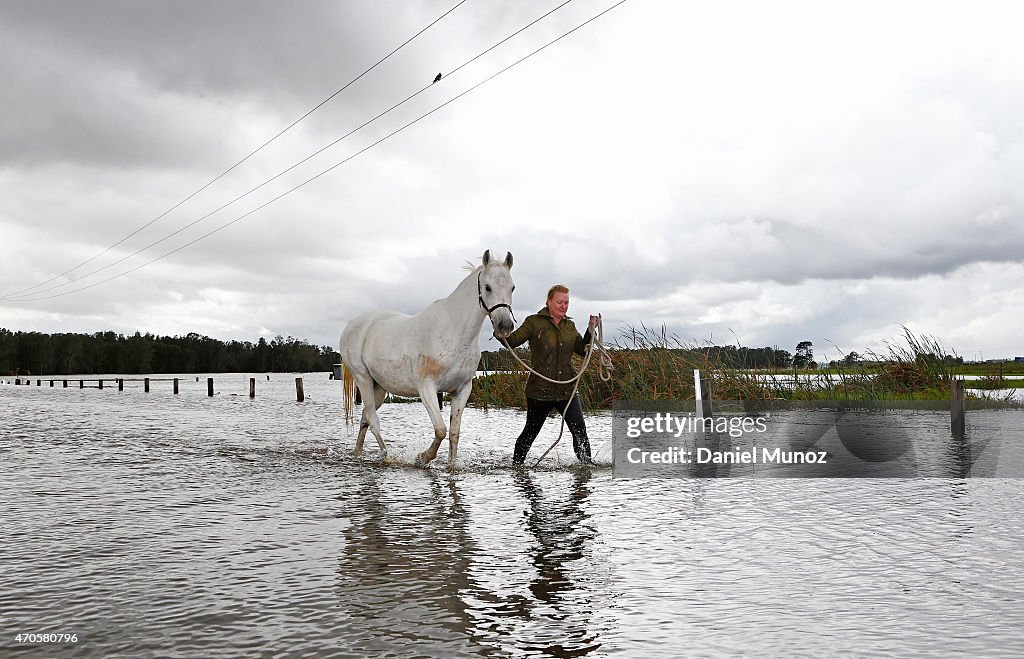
[{"x": 469, "y": 266}]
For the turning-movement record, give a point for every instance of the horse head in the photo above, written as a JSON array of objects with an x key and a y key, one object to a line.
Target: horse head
[{"x": 494, "y": 289}]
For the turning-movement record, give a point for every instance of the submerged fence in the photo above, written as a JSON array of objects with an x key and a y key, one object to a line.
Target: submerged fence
[
  {"x": 957, "y": 409},
  {"x": 702, "y": 387},
  {"x": 99, "y": 383}
]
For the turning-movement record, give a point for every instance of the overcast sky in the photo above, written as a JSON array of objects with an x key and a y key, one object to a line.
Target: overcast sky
[{"x": 741, "y": 172}]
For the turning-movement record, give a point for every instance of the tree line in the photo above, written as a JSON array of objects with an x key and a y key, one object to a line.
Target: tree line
[
  {"x": 25, "y": 353},
  {"x": 109, "y": 352},
  {"x": 731, "y": 356}
]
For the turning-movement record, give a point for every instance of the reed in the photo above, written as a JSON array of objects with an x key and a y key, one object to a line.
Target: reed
[
  {"x": 652, "y": 364},
  {"x": 501, "y": 389}
]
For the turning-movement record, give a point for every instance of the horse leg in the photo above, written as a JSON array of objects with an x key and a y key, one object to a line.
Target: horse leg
[
  {"x": 428, "y": 394},
  {"x": 364, "y": 423},
  {"x": 458, "y": 404},
  {"x": 369, "y": 421},
  {"x": 378, "y": 400}
]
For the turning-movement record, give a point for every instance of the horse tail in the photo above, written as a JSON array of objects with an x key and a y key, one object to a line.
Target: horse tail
[{"x": 349, "y": 387}]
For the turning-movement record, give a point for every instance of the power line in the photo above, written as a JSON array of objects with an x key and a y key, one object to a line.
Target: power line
[
  {"x": 232, "y": 167},
  {"x": 334, "y": 166},
  {"x": 293, "y": 166}
]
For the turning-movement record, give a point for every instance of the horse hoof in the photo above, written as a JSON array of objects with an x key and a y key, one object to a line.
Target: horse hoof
[
  {"x": 420, "y": 462},
  {"x": 356, "y": 453}
]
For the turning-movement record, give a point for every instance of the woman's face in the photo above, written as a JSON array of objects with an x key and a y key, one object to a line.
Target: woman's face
[{"x": 558, "y": 305}]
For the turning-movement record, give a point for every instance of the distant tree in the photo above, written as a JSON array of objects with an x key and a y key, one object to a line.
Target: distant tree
[
  {"x": 35, "y": 353},
  {"x": 138, "y": 354},
  {"x": 8, "y": 350},
  {"x": 851, "y": 359},
  {"x": 804, "y": 355}
]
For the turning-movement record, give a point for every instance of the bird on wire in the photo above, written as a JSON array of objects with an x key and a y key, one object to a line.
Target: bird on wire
[{"x": 436, "y": 78}]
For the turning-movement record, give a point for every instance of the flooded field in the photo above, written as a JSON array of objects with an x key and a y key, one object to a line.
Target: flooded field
[{"x": 149, "y": 524}]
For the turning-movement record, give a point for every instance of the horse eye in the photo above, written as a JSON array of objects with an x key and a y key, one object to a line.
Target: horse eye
[
  {"x": 513, "y": 288},
  {"x": 487, "y": 288}
]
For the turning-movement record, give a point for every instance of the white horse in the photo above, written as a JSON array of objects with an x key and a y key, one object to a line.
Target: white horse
[{"x": 435, "y": 351}]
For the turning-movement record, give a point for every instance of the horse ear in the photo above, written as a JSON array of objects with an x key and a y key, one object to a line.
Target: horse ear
[
  {"x": 487, "y": 257},
  {"x": 508, "y": 259}
]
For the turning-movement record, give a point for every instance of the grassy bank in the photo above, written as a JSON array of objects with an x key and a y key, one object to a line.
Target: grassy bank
[{"x": 652, "y": 365}]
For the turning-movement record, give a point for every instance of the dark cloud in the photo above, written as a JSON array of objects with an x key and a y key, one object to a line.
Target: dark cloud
[
  {"x": 749, "y": 192},
  {"x": 156, "y": 83},
  {"x": 261, "y": 48}
]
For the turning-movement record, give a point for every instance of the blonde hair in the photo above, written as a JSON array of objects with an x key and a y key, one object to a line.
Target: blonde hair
[{"x": 557, "y": 288}]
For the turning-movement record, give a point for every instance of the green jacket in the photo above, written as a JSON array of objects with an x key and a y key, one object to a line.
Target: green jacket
[{"x": 551, "y": 349}]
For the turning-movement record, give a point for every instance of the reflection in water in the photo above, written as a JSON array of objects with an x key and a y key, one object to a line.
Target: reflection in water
[
  {"x": 716, "y": 442},
  {"x": 411, "y": 576},
  {"x": 562, "y": 531},
  {"x": 958, "y": 455},
  {"x": 405, "y": 566}
]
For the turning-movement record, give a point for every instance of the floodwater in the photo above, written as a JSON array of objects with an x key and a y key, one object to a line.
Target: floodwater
[{"x": 161, "y": 525}]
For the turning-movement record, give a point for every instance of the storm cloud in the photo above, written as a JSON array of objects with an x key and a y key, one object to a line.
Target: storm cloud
[{"x": 766, "y": 174}]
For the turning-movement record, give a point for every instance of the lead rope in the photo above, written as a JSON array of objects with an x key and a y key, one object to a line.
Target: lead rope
[{"x": 605, "y": 373}]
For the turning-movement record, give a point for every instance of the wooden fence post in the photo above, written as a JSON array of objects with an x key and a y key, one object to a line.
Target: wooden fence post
[
  {"x": 175, "y": 385},
  {"x": 81, "y": 384},
  {"x": 209, "y": 387},
  {"x": 120, "y": 384},
  {"x": 252, "y": 387},
  {"x": 299, "y": 394},
  {"x": 702, "y": 394},
  {"x": 957, "y": 420},
  {"x": 146, "y": 385},
  {"x": 65, "y": 384}
]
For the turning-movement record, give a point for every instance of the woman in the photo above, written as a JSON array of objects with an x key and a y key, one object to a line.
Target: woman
[{"x": 553, "y": 339}]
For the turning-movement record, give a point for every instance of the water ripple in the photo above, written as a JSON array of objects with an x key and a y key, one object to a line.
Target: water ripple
[{"x": 195, "y": 526}]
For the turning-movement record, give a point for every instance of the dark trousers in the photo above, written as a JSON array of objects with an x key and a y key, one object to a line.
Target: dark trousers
[{"x": 536, "y": 413}]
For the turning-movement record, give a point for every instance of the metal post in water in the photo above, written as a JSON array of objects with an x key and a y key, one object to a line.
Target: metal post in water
[
  {"x": 298, "y": 390},
  {"x": 146, "y": 384},
  {"x": 209, "y": 387},
  {"x": 120, "y": 384},
  {"x": 252, "y": 387},
  {"x": 175, "y": 385}
]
